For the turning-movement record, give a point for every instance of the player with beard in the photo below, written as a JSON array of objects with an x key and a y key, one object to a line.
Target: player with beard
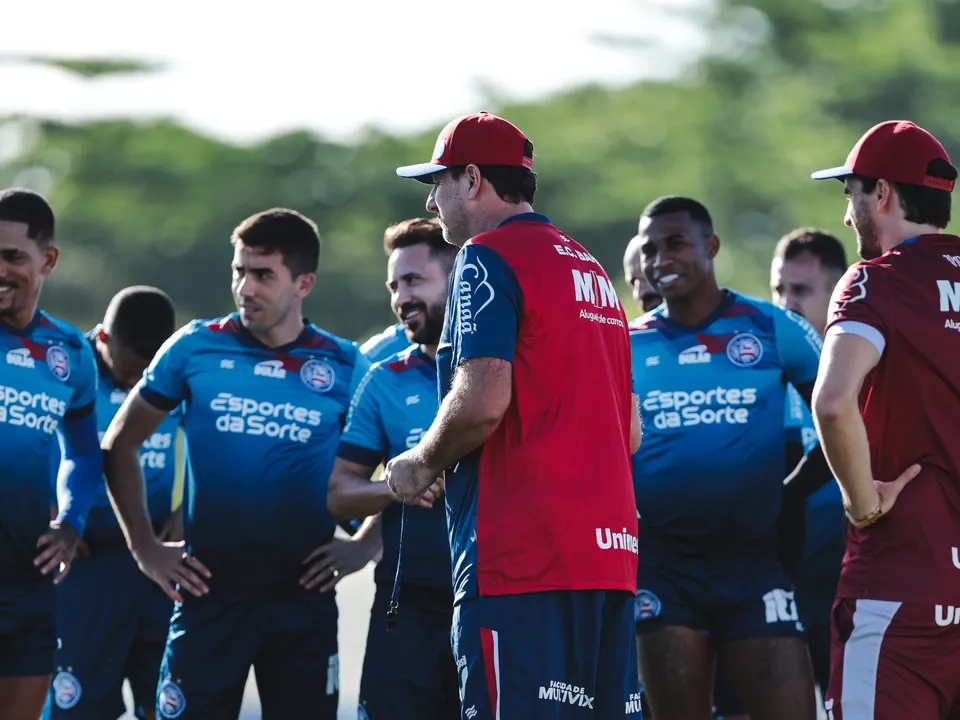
[
  {"x": 536, "y": 466},
  {"x": 886, "y": 405},
  {"x": 48, "y": 387},
  {"x": 395, "y": 403}
]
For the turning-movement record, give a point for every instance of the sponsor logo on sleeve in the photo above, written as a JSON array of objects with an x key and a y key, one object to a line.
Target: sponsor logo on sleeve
[{"x": 474, "y": 293}]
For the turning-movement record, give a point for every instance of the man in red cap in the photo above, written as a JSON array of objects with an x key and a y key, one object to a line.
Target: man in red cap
[
  {"x": 886, "y": 405},
  {"x": 534, "y": 434}
]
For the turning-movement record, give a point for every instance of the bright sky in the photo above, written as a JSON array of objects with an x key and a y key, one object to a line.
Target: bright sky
[{"x": 333, "y": 67}]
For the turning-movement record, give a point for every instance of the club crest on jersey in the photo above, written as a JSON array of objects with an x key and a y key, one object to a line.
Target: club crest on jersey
[
  {"x": 744, "y": 350},
  {"x": 646, "y": 606},
  {"x": 59, "y": 362},
  {"x": 66, "y": 690},
  {"x": 171, "y": 701},
  {"x": 318, "y": 375}
]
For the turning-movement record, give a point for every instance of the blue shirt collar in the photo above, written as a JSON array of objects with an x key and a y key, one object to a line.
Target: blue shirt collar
[{"x": 526, "y": 217}]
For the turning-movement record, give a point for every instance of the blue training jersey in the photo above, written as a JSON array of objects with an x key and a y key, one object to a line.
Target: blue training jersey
[
  {"x": 48, "y": 374},
  {"x": 825, "y": 521},
  {"x": 263, "y": 425},
  {"x": 393, "y": 407},
  {"x": 385, "y": 344},
  {"x": 709, "y": 472},
  {"x": 157, "y": 458}
]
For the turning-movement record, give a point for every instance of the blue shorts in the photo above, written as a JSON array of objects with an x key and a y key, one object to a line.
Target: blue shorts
[
  {"x": 290, "y": 640},
  {"x": 28, "y": 629},
  {"x": 410, "y": 673},
  {"x": 113, "y": 625},
  {"x": 733, "y": 598},
  {"x": 549, "y": 655}
]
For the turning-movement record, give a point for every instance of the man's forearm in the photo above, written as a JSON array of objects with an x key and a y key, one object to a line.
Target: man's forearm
[
  {"x": 457, "y": 431},
  {"x": 847, "y": 450},
  {"x": 353, "y": 496},
  {"x": 125, "y": 488}
]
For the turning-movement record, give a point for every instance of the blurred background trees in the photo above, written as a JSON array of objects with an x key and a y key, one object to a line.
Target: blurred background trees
[{"x": 784, "y": 88}]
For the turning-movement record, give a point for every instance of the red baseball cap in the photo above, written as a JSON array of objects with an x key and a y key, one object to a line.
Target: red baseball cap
[
  {"x": 478, "y": 139},
  {"x": 895, "y": 150}
]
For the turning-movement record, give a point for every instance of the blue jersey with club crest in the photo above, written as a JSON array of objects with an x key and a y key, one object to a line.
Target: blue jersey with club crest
[
  {"x": 48, "y": 378},
  {"x": 157, "y": 458},
  {"x": 711, "y": 465},
  {"x": 263, "y": 426},
  {"x": 392, "y": 409}
]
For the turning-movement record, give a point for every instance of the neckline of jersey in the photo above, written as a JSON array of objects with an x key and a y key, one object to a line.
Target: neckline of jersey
[
  {"x": 526, "y": 217},
  {"x": 730, "y": 297},
  {"x": 248, "y": 337}
]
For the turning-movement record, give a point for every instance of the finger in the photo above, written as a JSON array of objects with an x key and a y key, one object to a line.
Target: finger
[
  {"x": 52, "y": 551},
  {"x": 198, "y": 566},
  {"x": 189, "y": 581},
  {"x": 45, "y": 539},
  {"x": 331, "y": 582},
  {"x": 64, "y": 569},
  {"x": 53, "y": 563},
  {"x": 424, "y": 502},
  {"x": 316, "y": 554},
  {"x": 167, "y": 587},
  {"x": 907, "y": 475},
  {"x": 314, "y": 576}
]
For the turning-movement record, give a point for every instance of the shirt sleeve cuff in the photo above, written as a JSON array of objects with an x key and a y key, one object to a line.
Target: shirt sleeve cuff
[
  {"x": 360, "y": 455},
  {"x": 160, "y": 402},
  {"x": 867, "y": 332}
]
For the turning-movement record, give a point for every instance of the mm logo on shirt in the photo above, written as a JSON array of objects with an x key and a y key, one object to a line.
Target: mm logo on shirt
[
  {"x": 674, "y": 409},
  {"x": 594, "y": 289},
  {"x": 949, "y": 295},
  {"x": 246, "y": 416},
  {"x": 21, "y": 358},
  {"x": 566, "y": 694}
]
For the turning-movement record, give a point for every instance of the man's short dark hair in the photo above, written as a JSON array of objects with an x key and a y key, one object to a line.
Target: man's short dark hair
[
  {"x": 25, "y": 206},
  {"x": 817, "y": 242},
  {"x": 285, "y": 231},
  {"x": 142, "y": 318},
  {"x": 670, "y": 204},
  {"x": 417, "y": 231},
  {"x": 921, "y": 204},
  {"x": 512, "y": 184}
]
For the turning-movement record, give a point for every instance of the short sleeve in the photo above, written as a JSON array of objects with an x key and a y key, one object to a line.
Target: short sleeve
[
  {"x": 163, "y": 383},
  {"x": 798, "y": 345},
  {"x": 858, "y": 306},
  {"x": 364, "y": 439},
  {"x": 487, "y": 305},
  {"x": 85, "y": 382}
]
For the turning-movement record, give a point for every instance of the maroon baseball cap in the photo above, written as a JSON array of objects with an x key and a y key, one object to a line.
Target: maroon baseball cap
[
  {"x": 895, "y": 150},
  {"x": 478, "y": 139}
]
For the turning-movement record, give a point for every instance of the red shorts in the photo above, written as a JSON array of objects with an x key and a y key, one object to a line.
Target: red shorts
[{"x": 892, "y": 661}]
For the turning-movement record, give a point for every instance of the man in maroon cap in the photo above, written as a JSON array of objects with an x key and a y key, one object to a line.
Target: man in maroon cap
[
  {"x": 886, "y": 404},
  {"x": 535, "y": 431}
]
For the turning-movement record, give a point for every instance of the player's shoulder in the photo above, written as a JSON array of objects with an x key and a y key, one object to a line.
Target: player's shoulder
[
  {"x": 385, "y": 343},
  {"x": 647, "y": 324},
  {"x": 341, "y": 348},
  {"x": 743, "y": 305},
  {"x": 408, "y": 359},
  {"x": 51, "y": 328},
  {"x": 532, "y": 229}
]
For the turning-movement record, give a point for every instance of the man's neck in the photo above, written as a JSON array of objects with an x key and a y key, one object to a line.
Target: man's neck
[
  {"x": 910, "y": 230},
  {"x": 429, "y": 350},
  {"x": 693, "y": 309},
  {"x": 283, "y": 333},
  {"x": 498, "y": 214}
]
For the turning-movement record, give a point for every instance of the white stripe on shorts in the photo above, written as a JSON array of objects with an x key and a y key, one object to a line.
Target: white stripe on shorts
[
  {"x": 496, "y": 669},
  {"x": 861, "y": 657}
]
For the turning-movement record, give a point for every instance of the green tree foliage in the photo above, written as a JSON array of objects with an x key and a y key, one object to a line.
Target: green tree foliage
[{"x": 785, "y": 87}]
